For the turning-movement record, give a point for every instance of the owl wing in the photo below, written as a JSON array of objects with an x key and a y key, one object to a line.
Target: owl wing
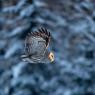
[{"x": 36, "y": 43}]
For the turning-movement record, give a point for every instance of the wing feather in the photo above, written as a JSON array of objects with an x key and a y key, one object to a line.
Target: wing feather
[{"x": 37, "y": 42}]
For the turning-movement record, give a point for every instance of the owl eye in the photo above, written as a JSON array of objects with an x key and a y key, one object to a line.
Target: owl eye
[{"x": 52, "y": 56}]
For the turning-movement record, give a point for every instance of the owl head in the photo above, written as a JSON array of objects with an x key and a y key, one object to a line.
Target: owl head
[{"x": 51, "y": 56}]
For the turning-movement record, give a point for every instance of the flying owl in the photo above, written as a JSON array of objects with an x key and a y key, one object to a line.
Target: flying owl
[{"x": 36, "y": 47}]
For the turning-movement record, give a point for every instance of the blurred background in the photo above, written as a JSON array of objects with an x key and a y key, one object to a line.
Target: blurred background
[{"x": 72, "y": 25}]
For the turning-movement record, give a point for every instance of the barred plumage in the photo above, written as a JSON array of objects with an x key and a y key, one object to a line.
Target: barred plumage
[{"x": 36, "y": 44}]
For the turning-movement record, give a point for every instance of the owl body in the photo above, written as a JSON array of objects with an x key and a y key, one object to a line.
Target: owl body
[{"x": 37, "y": 59}]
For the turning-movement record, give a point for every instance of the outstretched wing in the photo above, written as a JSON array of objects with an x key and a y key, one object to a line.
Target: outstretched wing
[{"x": 37, "y": 42}]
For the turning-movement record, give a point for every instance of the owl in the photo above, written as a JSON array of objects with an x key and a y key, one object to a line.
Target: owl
[{"x": 36, "y": 47}]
